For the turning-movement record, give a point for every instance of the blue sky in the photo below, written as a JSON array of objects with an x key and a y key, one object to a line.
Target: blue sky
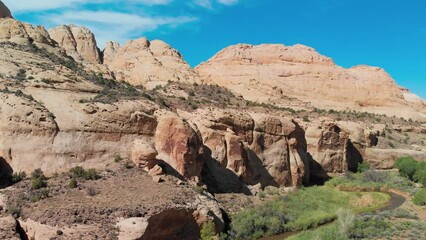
[{"x": 386, "y": 33}]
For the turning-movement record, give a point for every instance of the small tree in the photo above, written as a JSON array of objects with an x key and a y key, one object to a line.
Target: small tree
[
  {"x": 420, "y": 176},
  {"x": 38, "y": 179},
  {"x": 407, "y": 166}
]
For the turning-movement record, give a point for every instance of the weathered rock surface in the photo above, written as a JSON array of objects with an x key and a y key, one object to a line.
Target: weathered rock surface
[
  {"x": 179, "y": 146},
  {"x": 9, "y": 227},
  {"x": 141, "y": 62},
  {"x": 22, "y": 33},
  {"x": 331, "y": 147},
  {"x": 4, "y": 11},
  {"x": 385, "y": 158},
  {"x": 78, "y": 42},
  {"x": 272, "y": 73}
]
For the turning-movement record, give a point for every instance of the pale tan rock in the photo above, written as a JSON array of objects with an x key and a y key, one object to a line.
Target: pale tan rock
[
  {"x": 4, "y": 11},
  {"x": 385, "y": 158},
  {"x": 78, "y": 42},
  {"x": 141, "y": 62},
  {"x": 156, "y": 171},
  {"x": 143, "y": 154},
  {"x": 8, "y": 227},
  {"x": 272, "y": 73},
  {"x": 21, "y": 33}
]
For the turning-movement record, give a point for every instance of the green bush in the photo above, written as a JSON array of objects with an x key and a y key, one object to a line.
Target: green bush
[
  {"x": 38, "y": 173},
  {"x": 80, "y": 173},
  {"x": 208, "y": 231},
  {"x": 362, "y": 167},
  {"x": 38, "y": 183},
  {"x": 420, "y": 176},
  {"x": 17, "y": 177},
  {"x": 420, "y": 197},
  {"x": 407, "y": 166}
]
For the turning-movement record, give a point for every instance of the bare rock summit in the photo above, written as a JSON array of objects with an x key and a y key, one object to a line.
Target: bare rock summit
[
  {"x": 279, "y": 74},
  {"x": 78, "y": 42},
  {"x": 148, "y": 63}
]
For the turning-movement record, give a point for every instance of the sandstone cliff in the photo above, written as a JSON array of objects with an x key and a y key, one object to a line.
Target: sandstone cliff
[
  {"x": 145, "y": 63},
  {"x": 272, "y": 73}
]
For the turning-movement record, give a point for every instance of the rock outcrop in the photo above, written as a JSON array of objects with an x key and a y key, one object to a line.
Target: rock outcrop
[
  {"x": 4, "y": 11},
  {"x": 78, "y": 42},
  {"x": 141, "y": 62},
  {"x": 179, "y": 146},
  {"x": 12, "y": 30},
  {"x": 272, "y": 73}
]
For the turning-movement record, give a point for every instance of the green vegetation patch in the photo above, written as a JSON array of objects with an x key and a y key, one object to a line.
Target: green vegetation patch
[{"x": 303, "y": 209}]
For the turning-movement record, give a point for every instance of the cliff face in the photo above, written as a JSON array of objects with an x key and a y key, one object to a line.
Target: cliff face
[
  {"x": 141, "y": 62},
  {"x": 273, "y": 73}
]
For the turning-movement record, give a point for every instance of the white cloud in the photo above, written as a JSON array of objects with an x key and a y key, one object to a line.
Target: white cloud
[
  {"x": 228, "y": 2},
  {"x": 210, "y": 3},
  {"x": 41, "y": 5},
  {"x": 108, "y": 25}
]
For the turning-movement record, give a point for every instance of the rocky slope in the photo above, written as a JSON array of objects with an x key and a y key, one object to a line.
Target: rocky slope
[
  {"x": 274, "y": 73},
  {"x": 64, "y": 104},
  {"x": 147, "y": 63}
]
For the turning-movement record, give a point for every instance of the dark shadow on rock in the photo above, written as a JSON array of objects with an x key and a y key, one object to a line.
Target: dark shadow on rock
[
  {"x": 5, "y": 172},
  {"x": 22, "y": 234},
  {"x": 318, "y": 176},
  {"x": 219, "y": 179},
  {"x": 353, "y": 157},
  {"x": 176, "y": 224},
  {"x": 169, "y": 169}
]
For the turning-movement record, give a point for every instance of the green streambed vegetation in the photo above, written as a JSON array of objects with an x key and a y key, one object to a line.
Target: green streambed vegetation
[{"x": 302, "y": 209}]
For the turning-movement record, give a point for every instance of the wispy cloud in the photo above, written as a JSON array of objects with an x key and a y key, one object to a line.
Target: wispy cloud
[
  {"x": 117, "y": 20},
  {"x": 105, "y": 26},
  {"x": 211, "y": 3}
]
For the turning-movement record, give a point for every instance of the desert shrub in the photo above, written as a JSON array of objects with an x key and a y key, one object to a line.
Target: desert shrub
[
  {"x": 407, "y": 166},
  {"x": 362, "y": 167},
  {"x": 39, "y": 195},
  {"x": 38, "y": 173},
  {"x": 306, "y": 119},
  {"x": 345, "y": 221},
  {"x": 38, "y": 179},
  {"x": 420, "y": 197},
  {"x": 17, "y": 177},
  {"x": 38, "y": 183},
  {"x": 80, "y": 173},
  {"x": 208, "y": 231},
  {"x": 72, "y": 183},
  {"x": 117, "y": 158},
  {"x": 420, "y": 176},
  {"x": 375, "y": 176}
]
